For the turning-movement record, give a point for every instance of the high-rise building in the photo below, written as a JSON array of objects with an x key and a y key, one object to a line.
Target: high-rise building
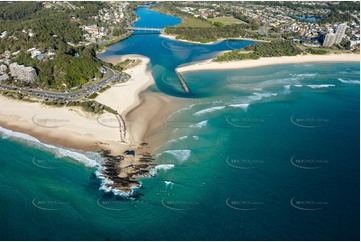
[
  {"x": 340, "y": 33},
  {"x": 329, "y": 39},
  {"x": 26, "y": 74},
  {"x": 3, "y": 69}
]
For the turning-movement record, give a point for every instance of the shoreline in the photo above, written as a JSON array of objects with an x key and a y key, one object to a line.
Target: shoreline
[
  {"x": 267, "y": 61},
  {"x": 72, "y": 128},
  {"x": 61, "y": 126},
  {"x": 123, "y": 97}
]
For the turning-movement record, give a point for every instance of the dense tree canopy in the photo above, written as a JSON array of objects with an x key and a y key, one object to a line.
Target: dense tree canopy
[
  {"x": 255, "y": 51},
  {"x": 52, "y": 30},
  {"x": 211, "y": 34}
]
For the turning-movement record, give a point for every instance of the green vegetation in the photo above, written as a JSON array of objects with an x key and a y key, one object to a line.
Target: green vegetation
[
  {"x": 18, "y": 11},
  {"x": 205, "y": 35},
  {"x": 314, "y": 51},
  {"x": 218, "y": 24},
  {"x": 226, "y": 20},
  {"x": 204, "y": 31},
  {"x": 334, "y": 15},
  {"x": 64, "y": 71},
  {"x": 56, "y": 30},
  {"x": 188, "y": 20},
  {"x": 128, "y": 63},
  {"x": 52, "y": 28},
  {"x": 16, "y": 95},
  {"x": 88, "y": 106},
  {"x": 104, "y": 88},
  {"x": 115, "y": 40},
  {"x": 255, "y": 51},
  {"x": 93, "y": 96}
]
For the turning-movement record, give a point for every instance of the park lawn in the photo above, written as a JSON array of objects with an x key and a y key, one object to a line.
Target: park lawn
[
  {"x": 190, "y": 21},
  {"x": 226, "y": 20}
]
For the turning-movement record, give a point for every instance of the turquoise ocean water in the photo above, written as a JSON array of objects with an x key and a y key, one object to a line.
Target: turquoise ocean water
[{"x": 267, "y": 153}]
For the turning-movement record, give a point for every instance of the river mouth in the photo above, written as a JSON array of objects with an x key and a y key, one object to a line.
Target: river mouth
[{"x": 249, "y": 150}]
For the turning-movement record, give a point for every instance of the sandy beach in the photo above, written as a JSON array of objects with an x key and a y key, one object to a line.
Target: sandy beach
[
  {"x": 70, "y": 127},
  {"x": 123, "y": 97},
  {"x": 267, "y": 61}
]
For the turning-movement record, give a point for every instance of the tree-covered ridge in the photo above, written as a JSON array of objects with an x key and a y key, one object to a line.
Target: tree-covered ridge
[
  {"x": 256, "y": 51},
  {"x": 52, "y": 28},
  {"x": 205, "y": 35},
  {"x": 55, "y": 29},
  {"x": 19, "y": 10},
  {"x": 66, "y": 70},
  {"x": 201, "y": 30}
]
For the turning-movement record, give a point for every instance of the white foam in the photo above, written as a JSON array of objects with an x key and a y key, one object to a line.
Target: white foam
[
  {"x": 258, "y": 96},
  {"x": 199, "y": 125},
  {"x": 281, "y": 81},
  {"x": 181, "y": 155},
  {"x": 6, "y": 133},
  {"x": 243, "y": 106},
  {"x": 195, "y": 137},
  {"x": 183, "y": 109},
  {"x": 349, "y": 81},
  {"x": 304, "y": 75},
  {"x": 171, "y": 142},
  {"x": 209, "y": 110},
  {"x": 321, "y": 86},
  {"x": 59, "y": 152},
  {"x": 106, "y": 185},
  {"x": 287, "y": 89},
  {"x": 298, "y": 85},
  {"x": 217, "y": 102},
  {"x": 154, "y": 170},
  {"x": 168, "y": 183}
]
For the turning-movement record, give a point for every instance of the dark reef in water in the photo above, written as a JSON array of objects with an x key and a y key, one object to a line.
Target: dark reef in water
[{"x": 120, "y": 173}]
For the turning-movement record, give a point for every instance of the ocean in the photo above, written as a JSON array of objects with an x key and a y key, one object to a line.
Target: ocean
[{"x": 269, "y": 153}]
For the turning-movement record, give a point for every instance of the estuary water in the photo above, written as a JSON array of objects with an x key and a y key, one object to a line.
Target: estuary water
[{"x": 268, "y": 153}]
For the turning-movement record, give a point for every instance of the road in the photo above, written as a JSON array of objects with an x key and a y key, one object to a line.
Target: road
[{"x": 74, "y": 96}]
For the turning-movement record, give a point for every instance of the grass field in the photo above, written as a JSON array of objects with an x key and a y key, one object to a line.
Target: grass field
[
  {"x": 187, "y": 20},
  {"x": 226, "y": 20}
]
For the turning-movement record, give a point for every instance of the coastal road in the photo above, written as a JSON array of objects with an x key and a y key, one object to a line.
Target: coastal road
[{"x": 74, "y": 96}]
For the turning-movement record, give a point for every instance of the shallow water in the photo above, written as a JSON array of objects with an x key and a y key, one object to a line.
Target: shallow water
[{"x": 267, "y": 153}]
